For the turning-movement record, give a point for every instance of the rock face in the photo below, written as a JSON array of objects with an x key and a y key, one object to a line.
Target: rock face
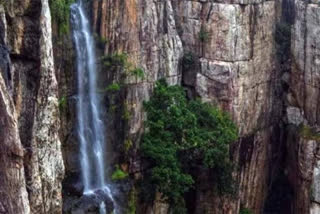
[
  {"x": 13, "y": 193},
  {"x": 224, "y": 52},
  {"x": 304, "y": 96},
  {"x": 235, "y": 63},
  {"x": 29, "y": 111},
  {"x": 237, "y": 71},
  {"x": 234, "y": 66},
  {"x": 46, "y": 164}
]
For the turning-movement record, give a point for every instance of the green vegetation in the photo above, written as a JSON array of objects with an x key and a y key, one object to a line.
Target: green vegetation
[
  {"x": 309, "y": 133},
  {"x": 114, "y": 87},
  {"x": 203, "y": 35},
  {"x": 116, "y": 60},
  {"x": 120, "y": 61},
  {"x": 179, "y": 134},
  {"x": 245, "y": 211},
  {"x": 127, "y": 145},
  {"x": 138, "y": 73},
  {"x": 62, "y": 103},
  {"x": 132, "y": 202},
  {"x": 126, "y": 113},
  {"x": 60, "y": 13},
  {"x": 118, "y": 174}
]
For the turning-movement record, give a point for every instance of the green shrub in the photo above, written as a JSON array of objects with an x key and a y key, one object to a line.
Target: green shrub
[
  {"x": 179, "y": 133},
  {"x": 118, "y": 174},
  {"x": 114, "y": 87},
  {"x": 126, "y": 113},
  {"x": 120, "y": 61},
  {"x": 245, "y": 211},
  {"x": 127, "y": 145},
  {"x": 62, "y": 103},
  {"x": 309, "y": 133},
  {"x": 116, "y": 60},
  {"x": 137, "y": 72},
  {"x": 132, "y": 202},
  {"x": 60, "y": 14}
]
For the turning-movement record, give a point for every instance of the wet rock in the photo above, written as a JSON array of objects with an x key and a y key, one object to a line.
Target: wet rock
[{"x": 88, "y": 203}]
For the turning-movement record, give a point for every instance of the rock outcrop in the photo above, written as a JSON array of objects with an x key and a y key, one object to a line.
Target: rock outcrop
[
  {"x": 30, "y": 110},
  {"x": 13, "y": 193}
]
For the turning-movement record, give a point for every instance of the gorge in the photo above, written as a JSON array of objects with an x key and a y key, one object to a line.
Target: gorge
[{"x": 75, "y": 78}]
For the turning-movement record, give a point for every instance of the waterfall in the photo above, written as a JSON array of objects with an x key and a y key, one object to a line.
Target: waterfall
[{"x": 90, "y": 126}]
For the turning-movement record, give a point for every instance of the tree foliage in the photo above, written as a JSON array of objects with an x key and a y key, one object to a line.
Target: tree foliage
[{"x": 180, "y": 132}]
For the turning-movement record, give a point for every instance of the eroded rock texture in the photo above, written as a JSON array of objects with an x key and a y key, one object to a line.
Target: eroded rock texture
[
  {"x": 237, "y": 71},
  {"x": 30, "y": 110},
  {"x": 234, "y": 64},
  {"x": 224, "y": 52},
  {"x": 13, "y": 193},
  {"x": 303, "y": 95}
]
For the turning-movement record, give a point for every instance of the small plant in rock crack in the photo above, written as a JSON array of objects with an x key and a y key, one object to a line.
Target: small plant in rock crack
[
  {"x": 118, "y": 174},
  {"x": 114, "y": 87},
  {"x": 62, "y": 103},
  {"x": 245, "y": 211}
]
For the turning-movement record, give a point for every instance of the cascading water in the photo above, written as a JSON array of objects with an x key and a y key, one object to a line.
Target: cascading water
[{"x": 90, "y": 125}]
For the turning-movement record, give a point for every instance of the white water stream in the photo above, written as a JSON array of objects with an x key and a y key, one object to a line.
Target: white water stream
[{"x": 90, "y": 126}]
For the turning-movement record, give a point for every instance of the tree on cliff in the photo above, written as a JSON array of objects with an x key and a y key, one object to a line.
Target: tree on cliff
[{"x": 180, "y": 133}]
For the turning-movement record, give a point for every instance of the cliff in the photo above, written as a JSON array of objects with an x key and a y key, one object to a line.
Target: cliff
[
  {"x": 29, "y": 111},
  {"x": 256, "y": 59}
]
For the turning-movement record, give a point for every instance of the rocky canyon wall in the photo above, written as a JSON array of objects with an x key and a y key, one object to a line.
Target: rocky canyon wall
[
  {"x": 236, "y": 64},
  {"x": 33, "y": 168},
  {"x": 225, "y": 52}
]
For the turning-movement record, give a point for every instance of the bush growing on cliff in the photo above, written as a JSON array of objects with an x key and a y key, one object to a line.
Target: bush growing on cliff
[
  {"x": 309, "y": 133},
  {"x": 245, "y": 211},
  {"x": 118, "y": 174},
  {"x": 120, "y": 61},
  {"x": 180, "y": 133},
  {"x": 60, "y": 14}
]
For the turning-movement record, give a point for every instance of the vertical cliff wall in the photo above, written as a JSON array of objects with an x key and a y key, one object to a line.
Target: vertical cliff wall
[
  {"x": 29, "y": 110},
  {"x": 226, "y": 52},
  {"x": 232, "y": 45},
  {"x": 13, "y": 194},
  {"x": 236, "y": 62},
  {"x": 303, "y": 107}
]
